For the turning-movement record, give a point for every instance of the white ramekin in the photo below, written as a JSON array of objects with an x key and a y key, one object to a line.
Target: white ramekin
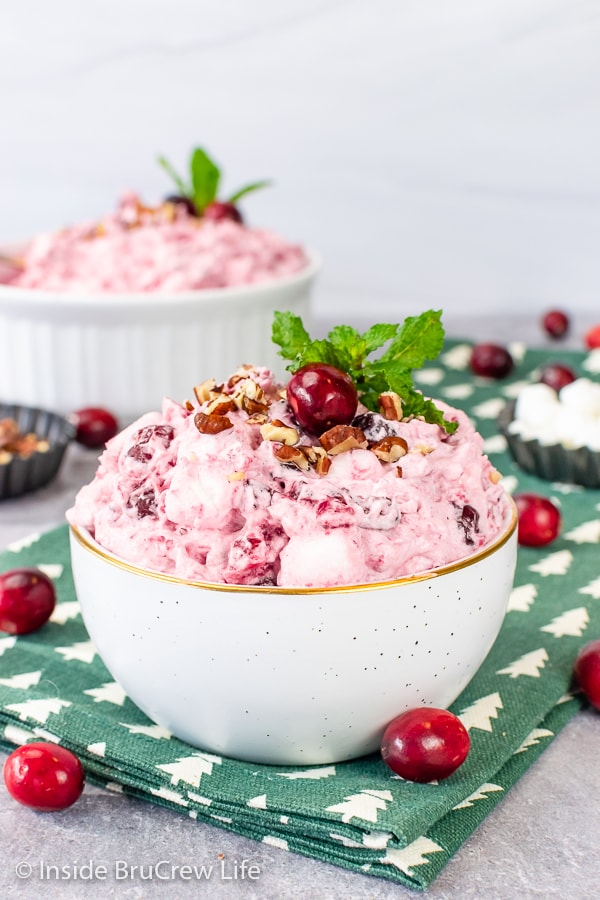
[{"x": 125, "y": 352}]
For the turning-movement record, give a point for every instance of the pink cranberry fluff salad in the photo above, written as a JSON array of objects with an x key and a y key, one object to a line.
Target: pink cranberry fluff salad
[
  {"x": 165, "y": 248},
  {"x": 192, "y": 241},
  {"x": 257, "y": 483}
]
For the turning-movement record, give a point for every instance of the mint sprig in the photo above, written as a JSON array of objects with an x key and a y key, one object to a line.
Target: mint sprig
[
  {"x": 372, "y": 368},
  {"x": 204, "y": 181}
]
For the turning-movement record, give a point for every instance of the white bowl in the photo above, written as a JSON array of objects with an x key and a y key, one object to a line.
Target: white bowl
[
  {"x": 65, "y": 351},
  {"x": 289, "y": 677}
]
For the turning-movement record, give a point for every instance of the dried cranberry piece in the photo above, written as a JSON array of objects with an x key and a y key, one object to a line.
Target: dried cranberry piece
[
  {"x": 138, "y": 453},
  {"x": 144, "y": 501},
  {"x": 469, "y": 522},
  {"x": 164, "y": 433}
]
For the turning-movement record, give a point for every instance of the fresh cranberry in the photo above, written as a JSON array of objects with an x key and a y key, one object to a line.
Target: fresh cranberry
[
  {"x": 27, "y": 600},
  {"x": 491, "y": 361},
  {"x": 555, "y": 323},
  {"x": 218, "y": 210},
  {"x": 425, "y": 744},
  {"x": 322, "y": 396},
  {"x": 557, "y": 376},
  {"x": 592, "y": 338},
  {"x": 95, "y": 426},
  {"x": 587, "y": 672},
  {"x": 539, "y": 520},
  {"x": 44, "y": 776},
  {"x": 180, "y": 200}
]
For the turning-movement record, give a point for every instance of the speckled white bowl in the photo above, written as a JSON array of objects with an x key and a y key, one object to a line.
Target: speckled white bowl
[
  {"x": 292, "y": 676},
  {"x": 126, "y": 352}
]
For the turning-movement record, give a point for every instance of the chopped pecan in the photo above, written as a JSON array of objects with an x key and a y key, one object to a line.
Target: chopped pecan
[
  {"x": 202, "y": 391},
  {"x": 343, "y": 437},
  {"x": 322, "y": 465},
  {"x": 258, "y": 418},
  {"x": 211, "y": 423},
  {"x": 423, "y": 449},
  {"x": 9, "y": 431},
  {"x": 187, "y": 404},
  {"x": 317, "y": 457},
  {"x": 291, "y": 456},
  {"x": 398, "y": 471},
  {"x": 390, "y": 405},
  {"x": 312, "y": 453},
  {"x": 220, "y": 404},
  {"x": 277, "y": 431},
  {"x": 250, "y": 397},
  {"x": 252, "y": 406},
  {"x": 390, "y": 449},
  {"x": 495, "y": 476}
]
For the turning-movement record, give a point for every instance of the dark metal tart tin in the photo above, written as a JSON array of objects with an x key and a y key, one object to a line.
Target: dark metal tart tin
[
  {"x": 552, "y": 462},
  {"x": 20, "y": 475}
]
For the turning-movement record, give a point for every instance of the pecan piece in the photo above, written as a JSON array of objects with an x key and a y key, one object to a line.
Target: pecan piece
[
  {"x": 390, "y": 405},
  {"x": 390, "y": 449},
  {"x": 291, "y": 456},
  {"x": 220, "y": 404},
  {"x": 423, "y": 449},
  {"x": 258, "y": 418},
  {"x": 323, "y": 465},
  {"x": 211, "y": 423},
  {"x": 250, "y": 397},
  {"x": 277, "y": 431},
  {"x": 202, "y": 391},
  {"x": 317, "y": 458},
  {"x": 343, "y": 437},
  {"x": 252, "y": 406}
]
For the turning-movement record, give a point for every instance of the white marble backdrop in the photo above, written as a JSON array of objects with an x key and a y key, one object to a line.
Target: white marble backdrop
[{"x": 437, "y": 152}]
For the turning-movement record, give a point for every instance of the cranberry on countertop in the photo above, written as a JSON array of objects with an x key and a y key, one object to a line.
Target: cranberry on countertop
[
  {"x": 539, "y": 520},
  {"x": 322, "y": 396},
  {"x": 592, "y": 338},
  {"x": 557, "y": 376},
  {"x": 555, "y": 323},
  {"x": 44, "y": 776},
  {"x": 587, "y": 672},
  {"x": 27, "y": 600},
  {"x": 491, "y": 361},
  {"x": 94, "y": 426},
  {"x": 425, "y": 744}
]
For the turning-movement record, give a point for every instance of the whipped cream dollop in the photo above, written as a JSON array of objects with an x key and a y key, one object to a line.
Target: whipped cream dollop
[
  {"x": 162, "y": 249},
  {"x": 229, "y": 489},
  {"x": 570, "y": 417}
]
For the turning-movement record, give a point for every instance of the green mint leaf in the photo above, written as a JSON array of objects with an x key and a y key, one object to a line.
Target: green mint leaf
[
  {"x": 205, "y": 176},
  {"x": 248, "y": 189},
  {"x": 318, "y": 351},
  {"x": 289, "y": 333},
  {"x": 378, "y": 335},
  {"x": 349, "y": 347},
  {"x": 183, "y": 189},
  {"x": 420, "y": 338}
]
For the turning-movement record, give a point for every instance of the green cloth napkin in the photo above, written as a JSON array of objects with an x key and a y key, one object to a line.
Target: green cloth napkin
[{"x": 357, "y": 814}]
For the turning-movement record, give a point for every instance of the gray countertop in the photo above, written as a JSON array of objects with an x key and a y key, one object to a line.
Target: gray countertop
[{"x": 540, "y": 841}]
